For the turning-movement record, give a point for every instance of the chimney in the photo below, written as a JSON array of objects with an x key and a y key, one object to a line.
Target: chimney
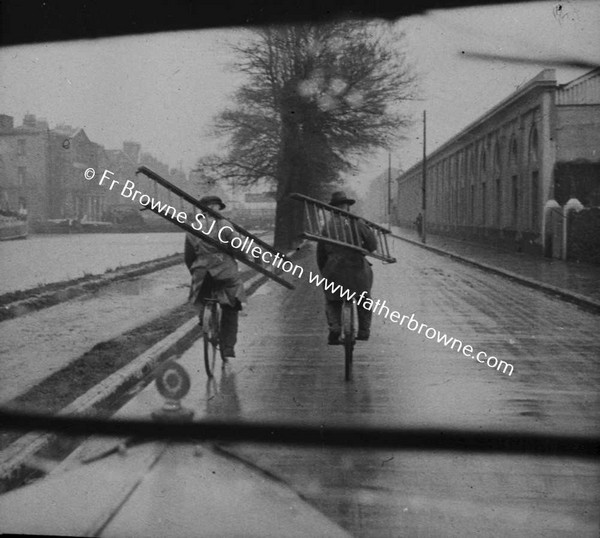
[
  {"x": 7, "y": 123},
  {"x": 29, "y": 121},
  {"x": 42, "y": 124},
  {"x": 132, "y": 149}
]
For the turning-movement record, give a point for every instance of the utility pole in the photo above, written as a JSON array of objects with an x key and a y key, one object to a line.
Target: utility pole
[{"x": 424, "y": 185}]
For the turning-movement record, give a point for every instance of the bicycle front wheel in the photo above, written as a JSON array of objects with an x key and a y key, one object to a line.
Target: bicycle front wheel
[{"x": 210, "y": 333}]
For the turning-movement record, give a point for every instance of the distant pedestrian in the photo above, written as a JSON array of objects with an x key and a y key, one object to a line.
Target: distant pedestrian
[{"x": 419, "y": 224}]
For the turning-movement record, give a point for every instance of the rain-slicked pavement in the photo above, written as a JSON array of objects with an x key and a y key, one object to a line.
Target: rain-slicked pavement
[
  {"x": 579, "y": 278},
  {"x": 285, "y": 371}
]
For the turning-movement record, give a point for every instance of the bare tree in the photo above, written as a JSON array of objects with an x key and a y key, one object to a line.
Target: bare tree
[{"x": 317, "y": 98}]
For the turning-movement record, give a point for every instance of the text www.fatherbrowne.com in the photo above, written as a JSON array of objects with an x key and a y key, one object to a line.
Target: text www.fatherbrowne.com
[
  {"x": 129, "y": 191},
  {"x": 412, "y": 324}
]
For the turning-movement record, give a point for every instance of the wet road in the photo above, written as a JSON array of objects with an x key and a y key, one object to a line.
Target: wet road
[
  {"x": 570, "y": 276},
  {"x": 285, "y": 371}
]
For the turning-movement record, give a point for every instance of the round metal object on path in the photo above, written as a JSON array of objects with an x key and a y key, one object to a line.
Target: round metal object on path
[{"x": 173, "y": 381}]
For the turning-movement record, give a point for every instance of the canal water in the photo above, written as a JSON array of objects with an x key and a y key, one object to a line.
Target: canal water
[{"x": 44, "y": 259}]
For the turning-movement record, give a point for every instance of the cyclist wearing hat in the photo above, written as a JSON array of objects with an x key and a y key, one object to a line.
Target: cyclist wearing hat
[
  {"x": 348, "y": 268},
  {"x": 211, "y": 268}
]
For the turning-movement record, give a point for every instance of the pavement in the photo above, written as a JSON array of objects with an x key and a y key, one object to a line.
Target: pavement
[{"x": 575, "y": 282}]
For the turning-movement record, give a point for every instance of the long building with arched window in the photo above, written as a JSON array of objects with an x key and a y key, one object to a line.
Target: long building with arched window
[{"x": 492, "y": 181}]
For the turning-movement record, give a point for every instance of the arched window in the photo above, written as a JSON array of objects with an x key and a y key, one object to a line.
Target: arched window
[
  {"x": 473, "y": 163},
  {"x": 533, "y": 145},
  {"x": 513, "y": 155},
  {"x": 497, "y": 157}
]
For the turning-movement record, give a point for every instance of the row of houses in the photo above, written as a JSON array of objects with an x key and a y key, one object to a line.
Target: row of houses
[
  {"x": 42, "y": 171},
  {"x": 507, "y": 176}
]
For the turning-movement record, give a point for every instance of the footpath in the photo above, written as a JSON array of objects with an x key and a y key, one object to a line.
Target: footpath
[{"x": 573, "y": 282}]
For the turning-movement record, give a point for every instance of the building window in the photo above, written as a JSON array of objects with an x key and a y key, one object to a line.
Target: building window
[
  {"x": 79, "y": 207},
  {"x": 21, "y": 175},
  {"x": 497, "y": 157},
  {"x": 21, "y": 146},
  {"x": 483, "y": 203},
  {"x": 472, "y": 214},
  {"x": 498, "y": 202},
  {"x": 533, "y": 146},
  {"x": 515, "y": 198},
  {"x": 513, "y": 151},
  {"x": 436, "y": 194},
  {"x": 456, "y": 171},
  {"x": 535, "y": 210},
  {"x": 473, "y": 163}
]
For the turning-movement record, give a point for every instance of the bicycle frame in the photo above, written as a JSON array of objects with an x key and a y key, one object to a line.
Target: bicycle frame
[{"x": 211, "y": 334}]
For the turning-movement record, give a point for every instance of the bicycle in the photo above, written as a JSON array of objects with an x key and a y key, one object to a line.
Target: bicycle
[
  {"x": 348, "y": 336},
  {"x": 211, "y": 331}
]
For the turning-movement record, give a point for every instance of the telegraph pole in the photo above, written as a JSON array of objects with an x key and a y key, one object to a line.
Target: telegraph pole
[{"x": 424, "y": 184}]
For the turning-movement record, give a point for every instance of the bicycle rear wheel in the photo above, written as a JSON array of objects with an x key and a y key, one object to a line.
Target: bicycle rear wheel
[
  {"x": 210, "y": 331},
  {"x": 348, "y": 335}
]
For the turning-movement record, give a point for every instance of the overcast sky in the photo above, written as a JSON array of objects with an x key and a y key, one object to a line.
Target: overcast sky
[{"x": 163, "y": 89}]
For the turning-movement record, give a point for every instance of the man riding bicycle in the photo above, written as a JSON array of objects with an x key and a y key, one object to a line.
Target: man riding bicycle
[
  {"x": 213, "y": 269},
  {"x": 348, "y": 268}
]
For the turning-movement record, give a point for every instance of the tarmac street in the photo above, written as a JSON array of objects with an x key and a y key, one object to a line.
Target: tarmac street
[{"x": 285, "y": 371}]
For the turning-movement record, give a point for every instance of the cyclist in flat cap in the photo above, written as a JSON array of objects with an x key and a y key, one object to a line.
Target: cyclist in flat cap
[
  {"x": 212, "y": 268},
  {"x": 347, "y": 267}
]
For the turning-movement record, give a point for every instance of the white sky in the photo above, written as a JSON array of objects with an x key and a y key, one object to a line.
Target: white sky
[{"x": 163, "y": 89}]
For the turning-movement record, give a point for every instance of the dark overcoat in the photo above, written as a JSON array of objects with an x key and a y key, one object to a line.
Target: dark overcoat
[
  {"x": 204, "y": 259},
  {"x": 345, "y": 266}
]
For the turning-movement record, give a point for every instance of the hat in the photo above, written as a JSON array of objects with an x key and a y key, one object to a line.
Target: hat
[
  {"x": 339, "y": 198},
  {"x": 207, "y": 200}
]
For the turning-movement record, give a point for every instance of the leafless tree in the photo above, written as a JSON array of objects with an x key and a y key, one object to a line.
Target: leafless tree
[{"x": 317, "y": 99}]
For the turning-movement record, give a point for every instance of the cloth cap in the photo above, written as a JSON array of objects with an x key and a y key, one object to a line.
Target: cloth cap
[
  {"x": 339, "y": 198},
  {"x": 207, "y": 200}
]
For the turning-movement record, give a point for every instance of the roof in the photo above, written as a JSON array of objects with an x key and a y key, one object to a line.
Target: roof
[
  {"x": 66, "y": 130},
  {"x": 584, "y": 90},
  {"x": 115, "y": 154},
  {"x": 544, "y": 79}
]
